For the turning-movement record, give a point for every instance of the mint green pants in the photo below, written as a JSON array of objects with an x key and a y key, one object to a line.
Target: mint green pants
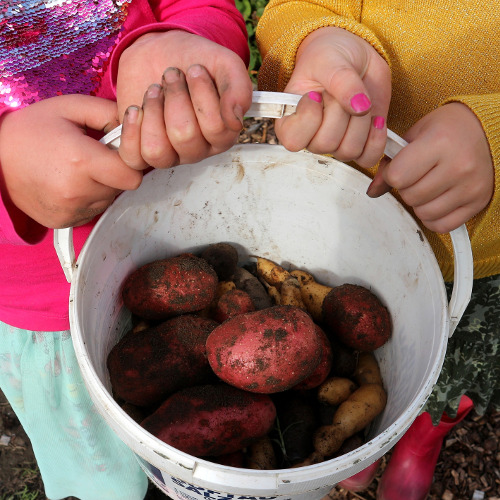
[{"x": 76, "y": 451}]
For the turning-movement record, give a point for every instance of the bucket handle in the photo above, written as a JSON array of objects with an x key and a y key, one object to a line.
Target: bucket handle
[{"x": 277, "y": 105}]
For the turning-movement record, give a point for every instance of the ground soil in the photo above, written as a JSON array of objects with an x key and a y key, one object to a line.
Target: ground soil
[{"x": 468, "y": 467}]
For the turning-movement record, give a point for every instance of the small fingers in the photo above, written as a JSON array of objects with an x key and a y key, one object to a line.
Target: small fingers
[
  {"x": 110, "y": 171},
  {"x": 447, "y": 211},
  {"x": 180, "y": 119},
  {"x": 130, "y": 143},
  {"x": 332, "y": 129},
  {"x": 321, "y": 125},
  {"x": 296, "y": 131},
  {"x": 207, "y": 107},
  {"x": 450, "y": 221},
  {"x": 348, "y": 137},
  {"x": 379, "y": 186},
  {"x": 354, "y": 140},
  {"x": 156, "y": 149},
  {"x": 374, "y": 147},
  {"x": 235, "y": 90},
  {"x": 407, "y": 168}
]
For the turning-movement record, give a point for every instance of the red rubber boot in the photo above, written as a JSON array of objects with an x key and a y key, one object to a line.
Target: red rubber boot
[
  {"x": 408, "y": 476},
  {"x": 362, "y": 479}
]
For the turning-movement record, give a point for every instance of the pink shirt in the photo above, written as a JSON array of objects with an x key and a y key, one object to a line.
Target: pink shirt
[{"x": 33, "y": 289}]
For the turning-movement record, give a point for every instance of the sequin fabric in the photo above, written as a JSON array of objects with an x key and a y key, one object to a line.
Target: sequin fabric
[{"x": 55, "y": 47}]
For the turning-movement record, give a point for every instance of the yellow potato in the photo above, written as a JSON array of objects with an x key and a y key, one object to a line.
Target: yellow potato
[
  {"x": 290, "y": 293},
  {"x": 367, "y": 370},
  {"x": 270, "y": 272},
  {"x": 335, "y": 390},
  {"x": 352, "y": 416},
  {"x": 313, "y": 295}
]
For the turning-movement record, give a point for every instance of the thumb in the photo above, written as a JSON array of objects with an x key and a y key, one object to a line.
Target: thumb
[
  {"x": 349, "y": 90},
  {"x": 91, "y": 112},
  {"x": 103, "y": 164}
]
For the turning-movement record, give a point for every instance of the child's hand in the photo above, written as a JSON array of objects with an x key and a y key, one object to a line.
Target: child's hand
[
  {"x": 197, "y": 94},
  {"x": 54, "y": 172},
  {"x": 445, "y": 173},
  {"x": 355, "y": 84}
]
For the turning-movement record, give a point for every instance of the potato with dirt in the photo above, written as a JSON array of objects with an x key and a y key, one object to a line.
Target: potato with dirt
[
  {"x": 352, "y": 416},
  {"x": 246, "y": 281},
  {"x": 261, "y": 455},
  {"x": 223, "y": 257},
  {"x": 270, "y": 272},
  {"x": 265, "y": 351},
  {"x": 212, "y": 420},
  {"x": 345, "y": 359},
  {"x": 335, "y": 390},
  {"x": 367, "y": 370},
  {"x": 232, "y": 303},
  {"x": 357, "y": 317},
  {"x": 169, "y": 287},
  {"x": 290, "y": 294},
  {"x": 313, "y": 295},
  {"x": 146, "y": 366},
  {"x": 319, "y": 375}
]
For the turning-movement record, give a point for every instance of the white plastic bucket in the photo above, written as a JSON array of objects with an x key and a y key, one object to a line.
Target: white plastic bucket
[{"x": 294, "y": 208}]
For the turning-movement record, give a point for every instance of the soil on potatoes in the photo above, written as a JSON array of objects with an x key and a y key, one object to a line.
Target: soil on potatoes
[{"x": 469, "y": 462}]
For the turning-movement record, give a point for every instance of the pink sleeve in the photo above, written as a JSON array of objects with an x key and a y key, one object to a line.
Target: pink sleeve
[{"x": 216, "y": 20}]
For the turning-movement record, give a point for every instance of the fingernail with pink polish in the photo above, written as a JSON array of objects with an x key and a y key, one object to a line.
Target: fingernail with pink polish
[
  {"x": 379, "y": 122},
  {"x": 360, "y": 103},
  {"x": 315, "y": 96}
]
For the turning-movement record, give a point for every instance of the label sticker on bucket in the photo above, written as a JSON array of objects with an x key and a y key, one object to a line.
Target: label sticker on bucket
[{"x": 182, "y": 490}]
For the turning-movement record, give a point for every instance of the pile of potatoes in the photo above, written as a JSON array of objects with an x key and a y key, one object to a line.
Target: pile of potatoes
[{"x": 251, "y": 366}]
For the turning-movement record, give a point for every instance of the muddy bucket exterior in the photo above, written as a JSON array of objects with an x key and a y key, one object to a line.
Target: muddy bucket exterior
[{"x": 296, "y": 209}]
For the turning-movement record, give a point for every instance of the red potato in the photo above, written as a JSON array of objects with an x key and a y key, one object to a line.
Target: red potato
[
  {"x": 235, "y": 459},
  {"x": 320, "y": 374},
  {"x": 357, "y": 317},
  {"x": 223, "y": 257},
  {"x": 212, "y": 420},
  {"x": 265, "y": 351},
  {"x": 169, "y": 287},
  {"x": 233, "y": 303},
  {"x": 146, "y": 366},
  {"x": 246, "y": 281}
]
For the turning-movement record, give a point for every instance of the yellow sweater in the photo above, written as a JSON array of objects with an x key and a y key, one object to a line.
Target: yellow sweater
[{"x": 438, "y": 50}]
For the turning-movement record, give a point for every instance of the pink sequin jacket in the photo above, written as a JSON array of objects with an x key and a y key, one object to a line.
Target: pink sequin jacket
[{"x": 48, "y": 48}]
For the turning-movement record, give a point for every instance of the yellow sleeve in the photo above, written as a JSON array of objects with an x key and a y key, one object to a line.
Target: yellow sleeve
[{"x": 285, "y": 23}]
